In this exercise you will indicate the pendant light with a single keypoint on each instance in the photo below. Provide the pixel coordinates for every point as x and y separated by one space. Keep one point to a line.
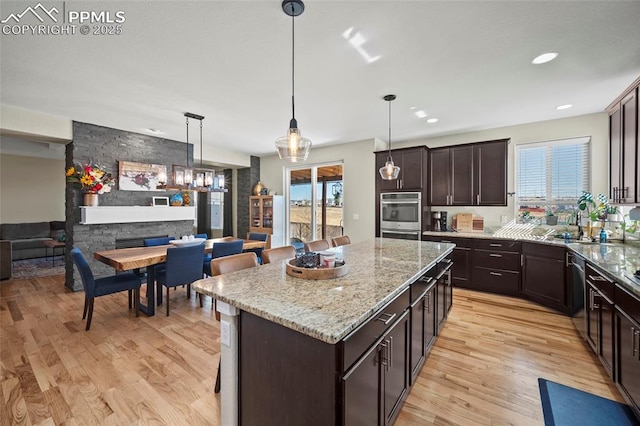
389 171
293 147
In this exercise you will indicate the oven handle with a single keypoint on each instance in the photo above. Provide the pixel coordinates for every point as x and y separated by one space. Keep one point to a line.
417 202
385 231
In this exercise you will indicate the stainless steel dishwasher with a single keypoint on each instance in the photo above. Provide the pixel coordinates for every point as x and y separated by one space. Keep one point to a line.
578 295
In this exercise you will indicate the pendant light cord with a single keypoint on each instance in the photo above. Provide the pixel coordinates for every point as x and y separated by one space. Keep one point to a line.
390 158
187 141
293 61
200 143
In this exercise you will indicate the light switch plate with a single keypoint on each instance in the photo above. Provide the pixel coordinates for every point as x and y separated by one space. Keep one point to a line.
356 216
225 333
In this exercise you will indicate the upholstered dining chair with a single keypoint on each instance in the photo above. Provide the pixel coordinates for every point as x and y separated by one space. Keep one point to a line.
207 256
342 240
317 245
103 286
225 265
221 249
183 266
278 254
257 236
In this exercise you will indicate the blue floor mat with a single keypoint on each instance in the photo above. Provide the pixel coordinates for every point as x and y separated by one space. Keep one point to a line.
566 406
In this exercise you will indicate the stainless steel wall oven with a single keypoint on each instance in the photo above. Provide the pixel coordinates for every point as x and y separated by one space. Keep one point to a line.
400 215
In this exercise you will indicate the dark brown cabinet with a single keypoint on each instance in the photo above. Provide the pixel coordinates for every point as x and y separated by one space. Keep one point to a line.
628 347
413 169
422 323
469 175
496 266
600 316
376 386
624 153
461 257
544 276
444 293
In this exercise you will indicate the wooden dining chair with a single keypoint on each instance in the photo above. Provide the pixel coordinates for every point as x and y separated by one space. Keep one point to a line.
103 286
317 245
225 265
183 266
278 254
342 240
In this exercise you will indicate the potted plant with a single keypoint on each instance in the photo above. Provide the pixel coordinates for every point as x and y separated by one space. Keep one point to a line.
613 215
551 218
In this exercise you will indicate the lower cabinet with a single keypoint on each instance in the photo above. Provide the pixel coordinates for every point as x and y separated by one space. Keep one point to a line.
496 266
444 293
600 316
627 316
422 324
544 280
461 257
376 386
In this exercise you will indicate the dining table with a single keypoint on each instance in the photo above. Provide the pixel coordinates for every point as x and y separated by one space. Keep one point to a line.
134 258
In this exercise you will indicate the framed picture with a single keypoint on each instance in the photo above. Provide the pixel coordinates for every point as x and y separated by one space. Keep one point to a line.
140 177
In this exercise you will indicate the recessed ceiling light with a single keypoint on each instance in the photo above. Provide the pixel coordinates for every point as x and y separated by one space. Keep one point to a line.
420 114
154 131
565 106
544 58
432 120
412 107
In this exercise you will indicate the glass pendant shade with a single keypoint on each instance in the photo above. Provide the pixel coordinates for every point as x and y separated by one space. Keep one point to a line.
293 147
389 171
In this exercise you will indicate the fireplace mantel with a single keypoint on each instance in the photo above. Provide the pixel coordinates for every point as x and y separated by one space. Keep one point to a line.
133 214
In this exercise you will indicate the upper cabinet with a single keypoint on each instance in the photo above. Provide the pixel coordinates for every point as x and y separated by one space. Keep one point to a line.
624 152
413 164
469 175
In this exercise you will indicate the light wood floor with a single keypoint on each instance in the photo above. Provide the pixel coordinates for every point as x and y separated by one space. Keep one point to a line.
126 370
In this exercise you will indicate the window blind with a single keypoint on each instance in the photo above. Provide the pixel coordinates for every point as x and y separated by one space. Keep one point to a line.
554 172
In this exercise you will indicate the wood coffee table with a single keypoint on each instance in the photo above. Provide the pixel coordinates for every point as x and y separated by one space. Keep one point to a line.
54 244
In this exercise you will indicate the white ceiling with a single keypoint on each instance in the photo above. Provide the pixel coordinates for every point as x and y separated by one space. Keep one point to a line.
468 63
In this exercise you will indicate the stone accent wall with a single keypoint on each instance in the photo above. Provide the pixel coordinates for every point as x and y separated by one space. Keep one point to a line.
248 177
108 146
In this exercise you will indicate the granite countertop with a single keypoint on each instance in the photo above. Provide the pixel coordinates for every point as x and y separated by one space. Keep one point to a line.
379 269
617 260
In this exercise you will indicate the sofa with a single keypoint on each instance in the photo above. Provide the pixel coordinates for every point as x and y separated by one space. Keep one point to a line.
27 239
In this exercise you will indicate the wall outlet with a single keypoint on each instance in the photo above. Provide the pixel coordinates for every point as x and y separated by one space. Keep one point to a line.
503 218
225 333
356 216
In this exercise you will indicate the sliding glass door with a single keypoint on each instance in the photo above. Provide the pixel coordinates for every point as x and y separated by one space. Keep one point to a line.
314 199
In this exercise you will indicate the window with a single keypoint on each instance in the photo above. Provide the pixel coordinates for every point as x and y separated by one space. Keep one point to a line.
550 177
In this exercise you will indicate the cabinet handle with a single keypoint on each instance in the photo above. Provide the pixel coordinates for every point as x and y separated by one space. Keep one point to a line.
522 260
596 278
495 245
427 280
445 260
567 257
497 274
495 255
389 318
478 199
384 355
427 306
401 184
445 241
390 351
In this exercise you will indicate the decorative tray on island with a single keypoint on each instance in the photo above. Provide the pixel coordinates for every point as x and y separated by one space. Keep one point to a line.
315 273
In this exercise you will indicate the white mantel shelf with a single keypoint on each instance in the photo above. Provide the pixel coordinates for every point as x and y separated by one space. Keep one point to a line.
132 214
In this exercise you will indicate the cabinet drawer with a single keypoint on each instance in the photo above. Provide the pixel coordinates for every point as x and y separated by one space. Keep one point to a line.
364 336
599 281
421 285
496 280
498 245
494 259
628 303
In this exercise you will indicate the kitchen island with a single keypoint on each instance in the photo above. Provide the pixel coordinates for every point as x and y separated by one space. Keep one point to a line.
292 348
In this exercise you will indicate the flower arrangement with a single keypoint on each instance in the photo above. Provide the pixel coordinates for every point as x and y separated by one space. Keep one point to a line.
91 177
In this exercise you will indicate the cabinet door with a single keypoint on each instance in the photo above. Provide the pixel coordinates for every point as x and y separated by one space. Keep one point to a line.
418 333
593 320
441 294
629 358
439 177
615 146
461 176
607 313
490 172
543 276
460 269
362 391
411 170
385 185
396 381
629 148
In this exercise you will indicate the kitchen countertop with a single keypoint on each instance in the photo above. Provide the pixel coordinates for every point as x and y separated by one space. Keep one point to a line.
617 260
379 269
